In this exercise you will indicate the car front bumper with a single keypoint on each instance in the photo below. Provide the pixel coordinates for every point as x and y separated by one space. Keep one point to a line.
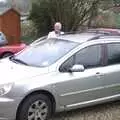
8 108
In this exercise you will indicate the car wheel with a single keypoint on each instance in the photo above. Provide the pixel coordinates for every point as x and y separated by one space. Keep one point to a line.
7 55
35 107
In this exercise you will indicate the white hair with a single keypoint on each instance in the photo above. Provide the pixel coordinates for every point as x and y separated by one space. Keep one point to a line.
58 24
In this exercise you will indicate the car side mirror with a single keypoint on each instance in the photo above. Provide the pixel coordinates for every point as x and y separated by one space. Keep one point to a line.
77 68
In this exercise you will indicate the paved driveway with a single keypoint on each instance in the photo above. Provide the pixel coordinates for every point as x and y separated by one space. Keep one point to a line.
109 111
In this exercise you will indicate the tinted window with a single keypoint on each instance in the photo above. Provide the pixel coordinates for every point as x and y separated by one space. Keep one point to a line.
67 65
89 57
113 53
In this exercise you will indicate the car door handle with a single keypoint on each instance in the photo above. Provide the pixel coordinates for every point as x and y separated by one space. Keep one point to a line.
99 74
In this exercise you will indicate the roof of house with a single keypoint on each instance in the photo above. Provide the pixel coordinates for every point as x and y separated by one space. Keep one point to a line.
3 10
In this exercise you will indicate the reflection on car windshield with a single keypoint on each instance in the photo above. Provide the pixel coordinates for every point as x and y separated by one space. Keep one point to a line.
45 52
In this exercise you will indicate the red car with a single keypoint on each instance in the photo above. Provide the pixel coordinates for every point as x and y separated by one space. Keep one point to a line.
7 50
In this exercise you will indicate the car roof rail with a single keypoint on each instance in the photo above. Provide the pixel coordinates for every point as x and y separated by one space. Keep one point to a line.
96 37
104 37
38 40
96 31
104 32
110 36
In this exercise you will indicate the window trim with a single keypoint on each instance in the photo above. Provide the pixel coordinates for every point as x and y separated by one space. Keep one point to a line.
104 54
102 46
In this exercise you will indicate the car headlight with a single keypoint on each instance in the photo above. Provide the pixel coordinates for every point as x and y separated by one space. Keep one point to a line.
4 89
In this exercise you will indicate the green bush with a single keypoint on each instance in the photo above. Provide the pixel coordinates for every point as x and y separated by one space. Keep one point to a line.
28 32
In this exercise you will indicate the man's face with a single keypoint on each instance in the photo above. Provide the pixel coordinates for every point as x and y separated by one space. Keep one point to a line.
57 28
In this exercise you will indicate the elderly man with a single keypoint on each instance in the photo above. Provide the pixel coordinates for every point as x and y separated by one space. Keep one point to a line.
57 31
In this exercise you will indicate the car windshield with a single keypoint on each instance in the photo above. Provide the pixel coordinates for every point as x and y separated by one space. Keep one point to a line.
45 53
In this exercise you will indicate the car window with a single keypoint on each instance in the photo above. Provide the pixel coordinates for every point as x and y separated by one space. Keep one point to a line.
45 53
89 57
67 65
3 40
113 53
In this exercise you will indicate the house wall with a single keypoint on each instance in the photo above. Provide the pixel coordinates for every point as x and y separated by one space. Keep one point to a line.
11 26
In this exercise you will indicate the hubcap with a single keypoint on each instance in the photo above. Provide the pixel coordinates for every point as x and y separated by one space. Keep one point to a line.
38 111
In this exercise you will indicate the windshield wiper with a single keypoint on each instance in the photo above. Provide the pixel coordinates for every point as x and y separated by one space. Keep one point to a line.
17 60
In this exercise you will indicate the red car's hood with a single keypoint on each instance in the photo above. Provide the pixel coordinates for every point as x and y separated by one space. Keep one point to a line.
11 48
15 45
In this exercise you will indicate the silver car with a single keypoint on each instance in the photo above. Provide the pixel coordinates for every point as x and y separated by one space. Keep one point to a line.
60 74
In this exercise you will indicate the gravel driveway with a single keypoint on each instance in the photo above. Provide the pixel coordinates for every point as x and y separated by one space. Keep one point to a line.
108 111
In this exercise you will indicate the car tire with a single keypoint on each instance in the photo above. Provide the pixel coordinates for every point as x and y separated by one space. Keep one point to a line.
35 107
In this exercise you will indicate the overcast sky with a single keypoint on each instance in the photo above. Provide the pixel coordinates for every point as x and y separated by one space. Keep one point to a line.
22 5
3 0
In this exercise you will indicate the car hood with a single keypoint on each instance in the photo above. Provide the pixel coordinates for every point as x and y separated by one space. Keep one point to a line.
11 72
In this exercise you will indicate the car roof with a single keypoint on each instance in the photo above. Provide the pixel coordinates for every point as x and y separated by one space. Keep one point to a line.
81 37
90 36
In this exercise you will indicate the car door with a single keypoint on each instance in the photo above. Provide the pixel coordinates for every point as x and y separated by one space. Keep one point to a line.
79 88
112 70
